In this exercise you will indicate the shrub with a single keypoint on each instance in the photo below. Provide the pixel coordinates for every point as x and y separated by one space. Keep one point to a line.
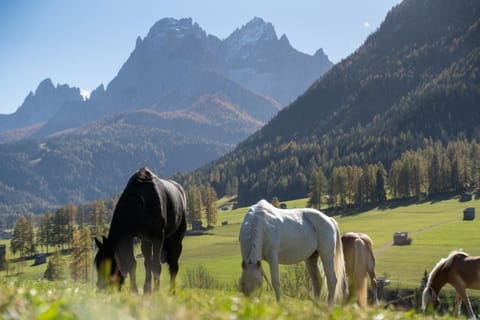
295 281
199 277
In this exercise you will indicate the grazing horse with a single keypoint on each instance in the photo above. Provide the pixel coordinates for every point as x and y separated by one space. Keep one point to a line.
153 210
360 262
459 270
288 236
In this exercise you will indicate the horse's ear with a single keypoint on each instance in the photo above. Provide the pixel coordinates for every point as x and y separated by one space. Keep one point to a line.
105 240
258 264
98 243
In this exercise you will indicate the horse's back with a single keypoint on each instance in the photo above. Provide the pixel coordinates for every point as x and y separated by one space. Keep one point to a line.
467 268
295 234
360 244
151 205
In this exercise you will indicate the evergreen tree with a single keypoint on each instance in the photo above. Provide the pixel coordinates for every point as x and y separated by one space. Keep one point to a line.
81 254
380 193
190 214
55 267
317 187
211 207
21 241
198 205
30 234
99 218
71 212
43 231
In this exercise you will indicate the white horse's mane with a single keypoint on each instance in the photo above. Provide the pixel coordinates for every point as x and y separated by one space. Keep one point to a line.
250 230
442 263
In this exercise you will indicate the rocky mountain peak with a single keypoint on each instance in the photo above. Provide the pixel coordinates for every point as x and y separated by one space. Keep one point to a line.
172 28
256 30
45 86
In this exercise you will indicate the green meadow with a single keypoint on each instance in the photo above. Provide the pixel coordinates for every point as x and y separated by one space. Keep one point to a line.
436 228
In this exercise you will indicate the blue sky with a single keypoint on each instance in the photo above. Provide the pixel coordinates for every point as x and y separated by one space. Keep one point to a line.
85 42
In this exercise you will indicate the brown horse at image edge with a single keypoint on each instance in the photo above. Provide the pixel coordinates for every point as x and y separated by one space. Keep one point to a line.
459 270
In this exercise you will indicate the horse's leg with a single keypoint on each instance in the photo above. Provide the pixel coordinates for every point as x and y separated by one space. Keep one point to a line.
373 280
311 265
133 277
147 256
273 262
173 249
458 303
466 301
129 266
329 270
157 262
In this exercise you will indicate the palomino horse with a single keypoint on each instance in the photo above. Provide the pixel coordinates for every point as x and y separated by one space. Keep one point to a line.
153 210
360 262
289 236
461 271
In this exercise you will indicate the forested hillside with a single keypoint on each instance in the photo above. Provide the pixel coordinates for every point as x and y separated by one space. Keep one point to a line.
182 98
413 83
85 164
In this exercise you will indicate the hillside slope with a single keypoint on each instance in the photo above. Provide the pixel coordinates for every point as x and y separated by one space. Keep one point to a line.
182 98
416 79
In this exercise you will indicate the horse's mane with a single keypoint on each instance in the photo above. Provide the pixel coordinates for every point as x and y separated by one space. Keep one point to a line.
443 263
250 230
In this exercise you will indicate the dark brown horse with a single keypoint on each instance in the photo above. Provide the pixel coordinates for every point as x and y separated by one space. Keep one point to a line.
360 262
459 270
153 210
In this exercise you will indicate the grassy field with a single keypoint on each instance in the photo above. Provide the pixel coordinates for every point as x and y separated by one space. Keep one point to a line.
436 228
66 300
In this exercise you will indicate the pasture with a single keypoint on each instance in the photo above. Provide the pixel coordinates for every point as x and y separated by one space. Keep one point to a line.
436 228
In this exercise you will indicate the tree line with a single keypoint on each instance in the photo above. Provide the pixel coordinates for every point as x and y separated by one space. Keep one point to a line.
426 172
71 228
296 170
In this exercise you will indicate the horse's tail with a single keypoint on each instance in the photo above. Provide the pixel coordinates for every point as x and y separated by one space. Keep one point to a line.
360 270
341 289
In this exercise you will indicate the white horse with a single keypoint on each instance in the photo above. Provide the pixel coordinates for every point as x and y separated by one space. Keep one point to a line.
288 236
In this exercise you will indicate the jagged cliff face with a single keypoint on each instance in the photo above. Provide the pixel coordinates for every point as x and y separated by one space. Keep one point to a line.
40 106
178 62
182 98
174 51
256 58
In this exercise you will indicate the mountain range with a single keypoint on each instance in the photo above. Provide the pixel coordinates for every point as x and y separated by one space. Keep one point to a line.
178 63
182 98
414 81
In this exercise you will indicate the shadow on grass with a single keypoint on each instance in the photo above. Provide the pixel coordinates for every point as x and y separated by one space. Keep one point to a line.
391 204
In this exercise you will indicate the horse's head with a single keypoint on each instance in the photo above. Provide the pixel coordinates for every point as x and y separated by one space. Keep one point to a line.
429 296
108 267
251 277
